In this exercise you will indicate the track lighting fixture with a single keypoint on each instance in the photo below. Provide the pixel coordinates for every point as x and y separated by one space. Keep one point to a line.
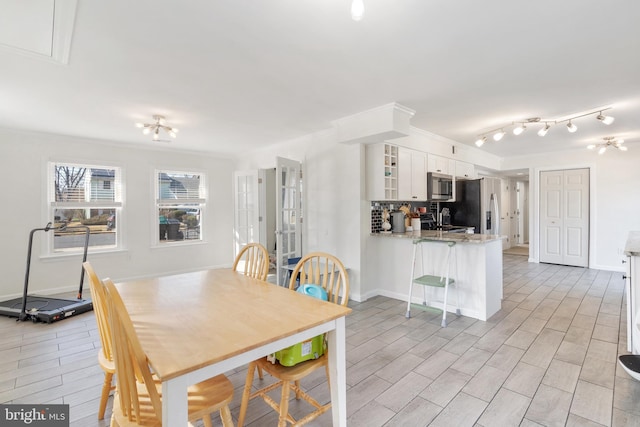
607 120
154 128
519 129
357 10
521 125
543 131
498 135
609 141
480 141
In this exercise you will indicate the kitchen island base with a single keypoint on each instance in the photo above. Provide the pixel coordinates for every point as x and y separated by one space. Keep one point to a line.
477 269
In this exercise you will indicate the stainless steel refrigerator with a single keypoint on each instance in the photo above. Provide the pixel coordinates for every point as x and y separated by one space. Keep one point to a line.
477 205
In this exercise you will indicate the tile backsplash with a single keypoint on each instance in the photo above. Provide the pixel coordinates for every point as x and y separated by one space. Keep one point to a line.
378 206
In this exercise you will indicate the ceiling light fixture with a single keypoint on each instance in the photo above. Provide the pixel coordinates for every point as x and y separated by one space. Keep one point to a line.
607 120
160 123
609 141
543 131
357 10
521 125
519 129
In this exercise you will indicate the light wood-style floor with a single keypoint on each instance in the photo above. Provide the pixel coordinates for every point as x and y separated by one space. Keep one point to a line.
549 357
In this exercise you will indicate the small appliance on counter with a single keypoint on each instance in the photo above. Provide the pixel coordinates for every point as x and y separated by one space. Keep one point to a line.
397 222
445 217
428 221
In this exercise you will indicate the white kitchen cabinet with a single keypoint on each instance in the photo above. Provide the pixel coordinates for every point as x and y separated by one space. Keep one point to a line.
382 171
412 175
439 164
465 170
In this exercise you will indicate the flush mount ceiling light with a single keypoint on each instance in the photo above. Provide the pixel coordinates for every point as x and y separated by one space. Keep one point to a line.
357 10
609 141
521 125
154 128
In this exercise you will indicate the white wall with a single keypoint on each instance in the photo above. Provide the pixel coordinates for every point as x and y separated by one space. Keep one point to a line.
615 205
332 192
23 166
337 214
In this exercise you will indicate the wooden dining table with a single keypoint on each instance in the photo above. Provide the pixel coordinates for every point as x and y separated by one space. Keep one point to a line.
195 326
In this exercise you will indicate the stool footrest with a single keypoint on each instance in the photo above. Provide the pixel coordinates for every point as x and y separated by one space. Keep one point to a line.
426 308
430 280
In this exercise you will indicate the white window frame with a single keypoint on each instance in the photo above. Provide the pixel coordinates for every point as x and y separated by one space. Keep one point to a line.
53 205
178 202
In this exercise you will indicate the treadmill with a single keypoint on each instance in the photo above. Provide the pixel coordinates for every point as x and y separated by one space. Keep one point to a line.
44 308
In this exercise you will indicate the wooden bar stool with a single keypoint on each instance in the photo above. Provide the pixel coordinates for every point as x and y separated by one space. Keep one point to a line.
436 281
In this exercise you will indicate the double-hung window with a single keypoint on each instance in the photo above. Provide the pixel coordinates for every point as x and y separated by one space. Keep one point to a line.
80 196
180 200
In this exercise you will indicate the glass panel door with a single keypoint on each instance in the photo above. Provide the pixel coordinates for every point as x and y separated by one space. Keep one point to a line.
289 215
246 221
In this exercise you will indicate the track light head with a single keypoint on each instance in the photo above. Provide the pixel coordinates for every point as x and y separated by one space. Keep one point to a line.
543 131
498 135
480 141
607 120
602 149
519 129
571 127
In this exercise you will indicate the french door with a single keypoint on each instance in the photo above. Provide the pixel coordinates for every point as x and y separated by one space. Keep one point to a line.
289 214
246 203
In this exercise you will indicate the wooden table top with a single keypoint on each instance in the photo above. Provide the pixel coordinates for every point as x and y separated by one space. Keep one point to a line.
188 321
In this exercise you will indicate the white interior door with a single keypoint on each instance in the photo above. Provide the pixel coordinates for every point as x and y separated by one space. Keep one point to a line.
246 203
564 217
289 214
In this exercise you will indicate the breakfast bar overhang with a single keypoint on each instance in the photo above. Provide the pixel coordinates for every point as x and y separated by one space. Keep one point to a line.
477 267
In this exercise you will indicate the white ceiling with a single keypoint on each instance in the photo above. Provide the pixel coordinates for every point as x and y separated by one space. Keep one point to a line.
234 75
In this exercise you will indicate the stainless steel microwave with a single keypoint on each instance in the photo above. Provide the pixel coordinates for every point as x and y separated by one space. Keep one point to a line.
439 186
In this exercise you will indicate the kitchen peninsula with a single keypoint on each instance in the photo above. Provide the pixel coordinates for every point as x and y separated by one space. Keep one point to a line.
477 268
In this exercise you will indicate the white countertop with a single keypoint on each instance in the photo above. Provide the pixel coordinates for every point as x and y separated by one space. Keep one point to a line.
632 247
444 236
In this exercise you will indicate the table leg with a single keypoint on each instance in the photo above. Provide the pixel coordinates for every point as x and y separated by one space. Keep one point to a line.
338 372
175 409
